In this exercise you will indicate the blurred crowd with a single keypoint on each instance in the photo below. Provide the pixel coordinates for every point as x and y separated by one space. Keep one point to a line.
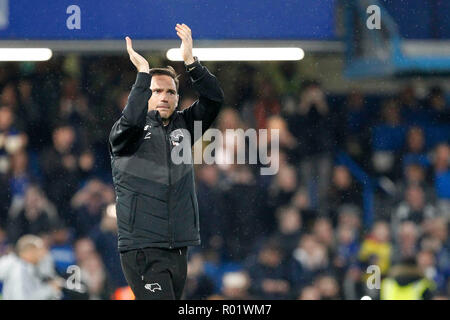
363 180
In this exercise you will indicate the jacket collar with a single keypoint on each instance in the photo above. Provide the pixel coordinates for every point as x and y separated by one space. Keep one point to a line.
155 119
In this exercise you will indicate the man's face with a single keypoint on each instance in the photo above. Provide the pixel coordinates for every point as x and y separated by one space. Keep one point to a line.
34 255
6 118
63 137
164 97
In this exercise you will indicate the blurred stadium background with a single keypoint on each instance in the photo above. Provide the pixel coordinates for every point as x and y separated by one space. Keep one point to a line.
364 123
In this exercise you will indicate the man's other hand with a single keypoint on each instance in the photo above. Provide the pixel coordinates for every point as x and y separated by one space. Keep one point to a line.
185 34
139 61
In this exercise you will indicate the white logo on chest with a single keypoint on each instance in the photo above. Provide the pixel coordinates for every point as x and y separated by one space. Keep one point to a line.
176 137
147 135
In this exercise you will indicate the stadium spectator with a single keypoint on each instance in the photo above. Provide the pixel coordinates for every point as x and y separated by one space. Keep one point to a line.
198 284
20 275
309 293
414 207
268 275
302 201
59 165
235 286
36 216
209 198
442 177
388 139
74 109
414 174
347 249
8 97
343 190
266 105
413 111
105 239
226 156
350 215
406 245
84 248
11 139
324 233
289 231
61 248
406 282
32 116
353 127
4 245
314 123
376 249
115 108
328 287
94 275
20 177
308 260
436 239
427 264
241 231
283 187
88 213
415 148
5 199
287 142
438 106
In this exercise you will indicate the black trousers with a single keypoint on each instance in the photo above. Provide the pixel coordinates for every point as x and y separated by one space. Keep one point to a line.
155 273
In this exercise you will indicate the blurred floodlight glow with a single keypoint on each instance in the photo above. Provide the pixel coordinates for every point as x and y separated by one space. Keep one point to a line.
25 54
241 54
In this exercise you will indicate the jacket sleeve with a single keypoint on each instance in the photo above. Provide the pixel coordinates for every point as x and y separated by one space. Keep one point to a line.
211 98
127 130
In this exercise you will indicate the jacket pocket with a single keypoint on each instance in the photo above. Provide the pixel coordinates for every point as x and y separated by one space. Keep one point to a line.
194 208
132 215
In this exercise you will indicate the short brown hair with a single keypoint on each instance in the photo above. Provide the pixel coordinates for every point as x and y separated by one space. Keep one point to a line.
167 71
27 242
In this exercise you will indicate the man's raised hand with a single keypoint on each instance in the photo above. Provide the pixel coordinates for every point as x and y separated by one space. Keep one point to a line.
185 34
139 61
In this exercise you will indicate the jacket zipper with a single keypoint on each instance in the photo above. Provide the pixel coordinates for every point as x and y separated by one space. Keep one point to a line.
167 143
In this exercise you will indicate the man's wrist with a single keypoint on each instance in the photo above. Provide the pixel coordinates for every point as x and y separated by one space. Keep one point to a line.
193 65
189 61
144 69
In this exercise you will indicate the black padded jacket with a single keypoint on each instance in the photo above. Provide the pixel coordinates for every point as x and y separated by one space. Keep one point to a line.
156 203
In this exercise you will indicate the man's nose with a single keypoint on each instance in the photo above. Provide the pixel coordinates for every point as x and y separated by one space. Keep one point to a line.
165 98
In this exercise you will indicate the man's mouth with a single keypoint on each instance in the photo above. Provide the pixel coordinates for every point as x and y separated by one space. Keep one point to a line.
163 107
